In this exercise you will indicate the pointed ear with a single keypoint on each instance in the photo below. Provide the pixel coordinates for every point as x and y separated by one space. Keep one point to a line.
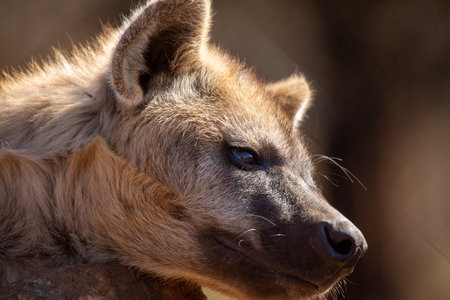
160 37
293 96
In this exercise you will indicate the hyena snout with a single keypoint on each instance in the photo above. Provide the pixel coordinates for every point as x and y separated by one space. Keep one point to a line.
318 251
335 243
340 243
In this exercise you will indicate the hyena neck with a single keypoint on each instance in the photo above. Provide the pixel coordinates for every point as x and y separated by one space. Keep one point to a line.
74 197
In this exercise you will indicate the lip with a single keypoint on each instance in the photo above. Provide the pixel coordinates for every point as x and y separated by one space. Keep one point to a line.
347 269
284 279
340 273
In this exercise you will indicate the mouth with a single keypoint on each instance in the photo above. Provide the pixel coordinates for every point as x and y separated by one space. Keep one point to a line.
285 279
260 276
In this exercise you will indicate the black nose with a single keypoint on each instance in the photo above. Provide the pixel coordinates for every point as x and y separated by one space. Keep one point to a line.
342 243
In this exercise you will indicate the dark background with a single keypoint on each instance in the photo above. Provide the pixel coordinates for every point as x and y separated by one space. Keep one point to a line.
381 74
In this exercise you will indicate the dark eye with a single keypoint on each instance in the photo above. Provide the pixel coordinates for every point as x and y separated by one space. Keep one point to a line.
242 158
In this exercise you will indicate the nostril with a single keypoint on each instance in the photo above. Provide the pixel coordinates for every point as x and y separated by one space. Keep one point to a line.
342 247
343 244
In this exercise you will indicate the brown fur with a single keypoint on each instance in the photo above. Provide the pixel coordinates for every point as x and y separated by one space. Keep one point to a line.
116 153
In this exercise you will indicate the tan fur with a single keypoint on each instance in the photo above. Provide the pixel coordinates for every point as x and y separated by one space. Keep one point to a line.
287 92
116 152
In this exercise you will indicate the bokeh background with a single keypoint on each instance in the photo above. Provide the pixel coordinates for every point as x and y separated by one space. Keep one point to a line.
381 74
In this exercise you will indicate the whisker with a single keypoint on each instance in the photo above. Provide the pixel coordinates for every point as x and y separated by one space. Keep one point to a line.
264 218
337 290
331 181
245 232
278 234
351 177
346 280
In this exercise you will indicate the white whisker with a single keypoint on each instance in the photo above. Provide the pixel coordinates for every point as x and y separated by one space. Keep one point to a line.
350 176
245 232
278 234
264 218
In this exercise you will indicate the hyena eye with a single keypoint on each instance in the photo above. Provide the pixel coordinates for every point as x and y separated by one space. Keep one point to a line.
242 158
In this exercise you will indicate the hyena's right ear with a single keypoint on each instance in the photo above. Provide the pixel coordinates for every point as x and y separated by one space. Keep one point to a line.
161 37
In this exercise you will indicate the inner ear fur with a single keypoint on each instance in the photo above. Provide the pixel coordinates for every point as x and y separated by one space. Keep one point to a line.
293 95
160 37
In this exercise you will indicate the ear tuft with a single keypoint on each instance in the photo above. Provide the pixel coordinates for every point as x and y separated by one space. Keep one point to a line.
293 96
160 37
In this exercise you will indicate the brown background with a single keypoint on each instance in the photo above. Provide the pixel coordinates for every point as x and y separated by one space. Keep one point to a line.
381 74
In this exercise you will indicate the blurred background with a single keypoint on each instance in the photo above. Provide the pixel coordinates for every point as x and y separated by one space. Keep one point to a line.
381 74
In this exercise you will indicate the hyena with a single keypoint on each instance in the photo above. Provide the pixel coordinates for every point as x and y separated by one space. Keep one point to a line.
155 149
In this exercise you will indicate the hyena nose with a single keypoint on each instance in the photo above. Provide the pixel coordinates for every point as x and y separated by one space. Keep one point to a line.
341 243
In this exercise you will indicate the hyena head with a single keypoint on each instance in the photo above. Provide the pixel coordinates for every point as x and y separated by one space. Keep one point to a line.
242 213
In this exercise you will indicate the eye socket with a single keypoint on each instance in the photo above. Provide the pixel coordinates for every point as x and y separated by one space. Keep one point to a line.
243 158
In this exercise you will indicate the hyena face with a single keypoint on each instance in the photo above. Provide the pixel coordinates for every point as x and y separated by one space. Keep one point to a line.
202 176
228 146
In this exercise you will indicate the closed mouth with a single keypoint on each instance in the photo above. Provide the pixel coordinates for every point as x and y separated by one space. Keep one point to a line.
279 276
345 270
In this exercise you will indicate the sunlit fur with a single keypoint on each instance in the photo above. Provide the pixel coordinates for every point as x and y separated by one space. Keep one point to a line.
94 167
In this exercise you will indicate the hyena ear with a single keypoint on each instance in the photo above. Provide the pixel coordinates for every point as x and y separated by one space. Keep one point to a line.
293 96
162 37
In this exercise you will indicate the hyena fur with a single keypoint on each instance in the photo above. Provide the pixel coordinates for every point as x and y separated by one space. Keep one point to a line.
153 148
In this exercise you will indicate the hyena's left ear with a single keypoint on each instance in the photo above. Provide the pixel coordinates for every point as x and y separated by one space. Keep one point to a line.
293 96
161 37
